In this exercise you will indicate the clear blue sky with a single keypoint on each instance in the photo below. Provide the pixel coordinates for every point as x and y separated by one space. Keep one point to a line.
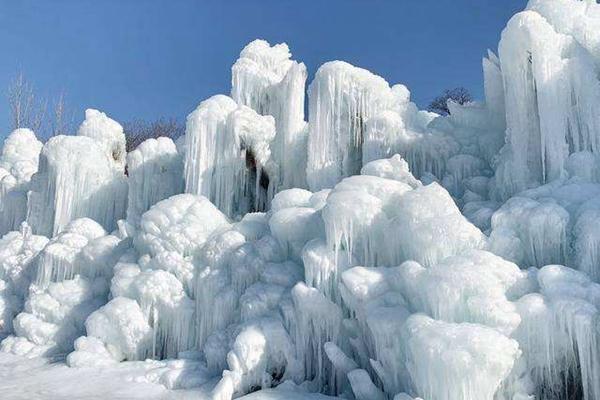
151 58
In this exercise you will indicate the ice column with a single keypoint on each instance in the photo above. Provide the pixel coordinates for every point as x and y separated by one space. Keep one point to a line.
341 99
266 80
18 162
228 156
155 172
76 179
550 84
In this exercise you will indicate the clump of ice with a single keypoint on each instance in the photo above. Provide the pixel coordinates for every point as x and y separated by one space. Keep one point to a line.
108 134
181 223
456 361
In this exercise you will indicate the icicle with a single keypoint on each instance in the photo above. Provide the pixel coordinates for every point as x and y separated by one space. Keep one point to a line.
318 322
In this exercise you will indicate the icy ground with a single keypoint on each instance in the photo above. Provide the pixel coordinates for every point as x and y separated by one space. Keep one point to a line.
38 379
373 252
41 379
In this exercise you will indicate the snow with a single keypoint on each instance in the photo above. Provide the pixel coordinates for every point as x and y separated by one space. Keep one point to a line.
376 252
38 379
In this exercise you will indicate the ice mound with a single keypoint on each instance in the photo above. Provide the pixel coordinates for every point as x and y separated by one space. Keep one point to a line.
395 168
181 223
115 332
107 133
18 162
529 232
474 287
552 223
53 317
160 274
71 279
370 219
456 361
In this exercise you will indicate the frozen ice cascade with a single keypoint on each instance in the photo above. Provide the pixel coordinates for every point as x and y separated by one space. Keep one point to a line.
373 252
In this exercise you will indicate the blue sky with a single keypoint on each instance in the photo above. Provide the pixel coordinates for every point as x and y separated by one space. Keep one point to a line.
151 58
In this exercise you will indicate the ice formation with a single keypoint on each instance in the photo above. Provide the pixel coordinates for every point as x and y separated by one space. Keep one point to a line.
266 80
375 252
19 252
154 172
228 156
18 162
72 279
95 188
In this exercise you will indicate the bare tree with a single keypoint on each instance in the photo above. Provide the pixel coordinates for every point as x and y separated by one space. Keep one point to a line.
139 130
62 123
27 111
459 95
